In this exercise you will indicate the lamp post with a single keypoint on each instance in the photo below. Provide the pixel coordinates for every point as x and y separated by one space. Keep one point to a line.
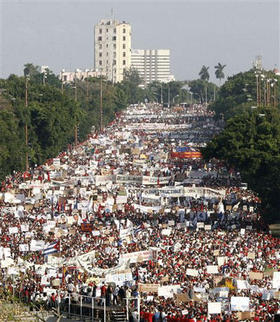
268 91
273 86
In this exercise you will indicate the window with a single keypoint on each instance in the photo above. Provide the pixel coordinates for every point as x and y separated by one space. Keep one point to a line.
114 62
114 54
123 30
100 31
99 38
114 46
123 54
106 45
123 46
115 30
123 62
107 30
114 38
123 38
100 46
100 54
100 62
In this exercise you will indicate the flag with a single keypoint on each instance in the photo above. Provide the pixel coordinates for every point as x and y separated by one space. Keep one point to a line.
137 229
52 248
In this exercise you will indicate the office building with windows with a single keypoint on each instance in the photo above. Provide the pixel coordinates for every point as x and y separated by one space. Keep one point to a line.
152 64
112 48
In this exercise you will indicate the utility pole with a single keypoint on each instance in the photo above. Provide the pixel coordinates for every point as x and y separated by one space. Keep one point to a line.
101 105
268 92
26 128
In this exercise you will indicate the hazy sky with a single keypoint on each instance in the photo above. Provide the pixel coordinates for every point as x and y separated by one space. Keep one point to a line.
60 33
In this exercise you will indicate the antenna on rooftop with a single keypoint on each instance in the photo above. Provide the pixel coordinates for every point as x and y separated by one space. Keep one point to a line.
112 14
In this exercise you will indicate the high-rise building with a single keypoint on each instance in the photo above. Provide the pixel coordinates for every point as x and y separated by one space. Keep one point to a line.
152 64
112 48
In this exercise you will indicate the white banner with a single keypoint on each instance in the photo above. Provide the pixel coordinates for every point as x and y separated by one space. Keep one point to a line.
214 307
168 290
239 303
137 257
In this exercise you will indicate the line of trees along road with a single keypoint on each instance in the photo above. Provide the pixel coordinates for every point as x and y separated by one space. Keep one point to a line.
250 141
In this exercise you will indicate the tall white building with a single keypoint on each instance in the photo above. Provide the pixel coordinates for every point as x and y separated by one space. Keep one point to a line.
112 48
152 64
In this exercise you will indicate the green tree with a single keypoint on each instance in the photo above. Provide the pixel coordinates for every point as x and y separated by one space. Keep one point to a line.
219 72
130 86
204 74
198 86
250 142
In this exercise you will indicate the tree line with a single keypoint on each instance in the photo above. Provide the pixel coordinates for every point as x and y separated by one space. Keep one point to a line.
250 141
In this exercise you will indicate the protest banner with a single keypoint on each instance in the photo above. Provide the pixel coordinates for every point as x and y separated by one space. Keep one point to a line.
244 316
136 257
214 307
240 303
221 260
86 227
147 180
56 162
168 291
148 288
255 276
216 252
23 247
166 231
120 277
251 255
37 245
13 230
212 269
182 297
242 285
276 280
192 272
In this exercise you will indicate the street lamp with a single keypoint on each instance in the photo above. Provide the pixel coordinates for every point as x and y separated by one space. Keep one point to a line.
273 85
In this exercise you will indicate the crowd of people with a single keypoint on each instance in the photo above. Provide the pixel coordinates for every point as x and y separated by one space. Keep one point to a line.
119 217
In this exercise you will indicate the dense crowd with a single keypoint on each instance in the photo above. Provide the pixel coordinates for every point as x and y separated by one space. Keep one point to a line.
118 217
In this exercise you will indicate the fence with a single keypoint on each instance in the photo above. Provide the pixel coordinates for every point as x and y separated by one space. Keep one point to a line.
96 308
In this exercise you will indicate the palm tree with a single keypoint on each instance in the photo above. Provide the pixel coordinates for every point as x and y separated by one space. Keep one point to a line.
204 74
219 71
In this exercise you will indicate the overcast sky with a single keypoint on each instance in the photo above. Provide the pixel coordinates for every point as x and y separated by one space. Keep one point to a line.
60 33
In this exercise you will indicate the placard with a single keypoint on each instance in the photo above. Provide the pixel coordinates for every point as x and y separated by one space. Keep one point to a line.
214 307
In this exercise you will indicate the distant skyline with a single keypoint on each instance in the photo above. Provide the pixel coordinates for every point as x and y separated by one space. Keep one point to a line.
60 34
